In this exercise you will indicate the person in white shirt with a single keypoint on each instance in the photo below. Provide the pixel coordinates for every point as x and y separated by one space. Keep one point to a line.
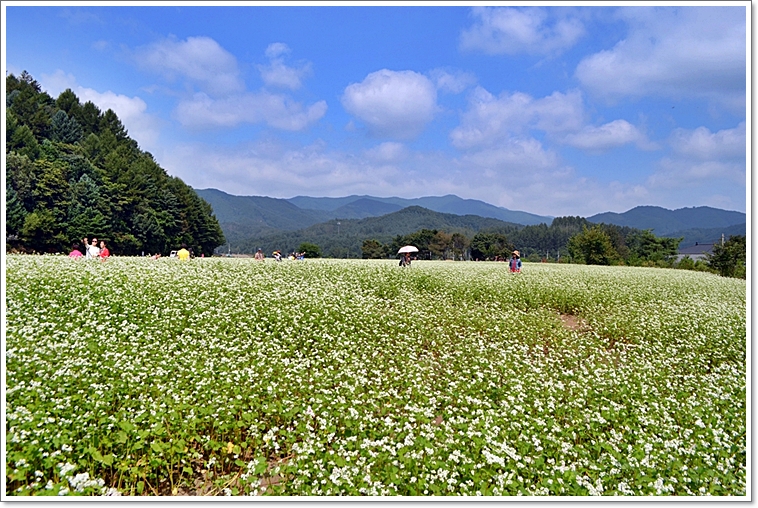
93 251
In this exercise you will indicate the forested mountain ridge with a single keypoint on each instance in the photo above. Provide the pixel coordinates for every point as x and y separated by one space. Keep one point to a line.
244 216
343 238
668 222
72 172
241 217
443 204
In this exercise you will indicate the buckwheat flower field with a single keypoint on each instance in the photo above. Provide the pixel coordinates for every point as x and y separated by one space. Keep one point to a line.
360 378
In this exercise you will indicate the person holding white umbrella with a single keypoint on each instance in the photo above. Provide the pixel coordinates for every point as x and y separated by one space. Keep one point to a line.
406 252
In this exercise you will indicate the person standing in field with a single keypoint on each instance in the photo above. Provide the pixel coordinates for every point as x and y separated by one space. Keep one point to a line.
75 252
515 263
104 252
183 253
93 251
259 256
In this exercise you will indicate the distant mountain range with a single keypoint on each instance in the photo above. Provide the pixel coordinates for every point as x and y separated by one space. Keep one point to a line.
666 222
358 207
344 237
243 217
251 219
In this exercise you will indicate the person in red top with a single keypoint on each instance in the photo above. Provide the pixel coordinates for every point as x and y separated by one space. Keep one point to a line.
104 252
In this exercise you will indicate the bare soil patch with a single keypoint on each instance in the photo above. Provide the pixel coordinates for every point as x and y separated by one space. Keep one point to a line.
573 323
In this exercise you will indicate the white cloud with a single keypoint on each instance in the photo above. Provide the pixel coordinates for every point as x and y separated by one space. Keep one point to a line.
58 82
277 49
489 119
701 157
201 61
677 174
513 155
395 104
220 98
704 162
521 175
272 169
701 143
280 111
132 111
674 52
277 74
508 30
610 135
452 81
387 152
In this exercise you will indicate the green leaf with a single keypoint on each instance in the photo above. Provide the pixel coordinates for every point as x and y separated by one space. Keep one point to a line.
95 454
260 468
128 427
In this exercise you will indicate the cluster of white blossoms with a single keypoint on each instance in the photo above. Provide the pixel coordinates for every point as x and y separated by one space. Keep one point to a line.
353 377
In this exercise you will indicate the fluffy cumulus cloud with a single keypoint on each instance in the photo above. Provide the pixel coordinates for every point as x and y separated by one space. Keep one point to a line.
674 52
703 144
219 98
132 111
490 119
395 104
199 61
277 73
509 30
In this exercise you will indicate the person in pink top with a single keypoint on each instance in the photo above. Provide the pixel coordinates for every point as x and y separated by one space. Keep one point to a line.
75 252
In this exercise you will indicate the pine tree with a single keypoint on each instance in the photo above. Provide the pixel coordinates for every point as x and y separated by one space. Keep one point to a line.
65 129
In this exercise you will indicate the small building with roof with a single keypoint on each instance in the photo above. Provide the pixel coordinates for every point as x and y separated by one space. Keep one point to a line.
695 252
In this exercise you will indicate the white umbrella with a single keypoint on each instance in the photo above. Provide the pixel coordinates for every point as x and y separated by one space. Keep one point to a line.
407 248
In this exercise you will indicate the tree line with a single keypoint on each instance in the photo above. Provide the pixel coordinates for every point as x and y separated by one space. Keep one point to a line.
72 171
571 240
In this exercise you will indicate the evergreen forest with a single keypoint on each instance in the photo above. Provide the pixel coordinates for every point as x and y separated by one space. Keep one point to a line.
72 171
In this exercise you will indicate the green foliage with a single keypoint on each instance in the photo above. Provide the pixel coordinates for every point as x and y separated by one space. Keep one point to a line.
15 213
644 245
72 171
311 250
490 245
373 249
65 129
346 239
729 259
593 247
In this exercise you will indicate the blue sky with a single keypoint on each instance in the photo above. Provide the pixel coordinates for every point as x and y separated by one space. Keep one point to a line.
550 110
